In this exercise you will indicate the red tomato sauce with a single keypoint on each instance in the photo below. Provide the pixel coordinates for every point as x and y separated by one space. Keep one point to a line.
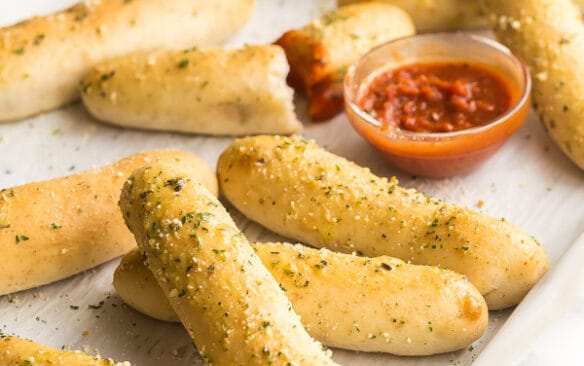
437 97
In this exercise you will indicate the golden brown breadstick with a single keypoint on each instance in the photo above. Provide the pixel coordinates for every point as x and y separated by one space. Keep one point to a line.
303 192
192 90
42 59
227 300
23 352
437 15
365 304
444 15
53 229
549 36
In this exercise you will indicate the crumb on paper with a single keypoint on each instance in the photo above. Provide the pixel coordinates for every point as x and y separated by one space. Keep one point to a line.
480 203
13 299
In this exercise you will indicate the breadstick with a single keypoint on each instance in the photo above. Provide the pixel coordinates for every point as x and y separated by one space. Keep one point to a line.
437 15
303 192
443 15
54 229
227 300
23 352
42 59
320 52
213 91
549 37
365 304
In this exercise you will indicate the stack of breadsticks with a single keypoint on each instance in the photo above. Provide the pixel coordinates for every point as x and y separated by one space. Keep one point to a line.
194 265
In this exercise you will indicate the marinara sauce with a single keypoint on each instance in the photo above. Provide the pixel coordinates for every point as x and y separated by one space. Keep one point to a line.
437 97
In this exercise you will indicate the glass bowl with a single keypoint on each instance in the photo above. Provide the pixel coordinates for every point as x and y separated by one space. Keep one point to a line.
440 154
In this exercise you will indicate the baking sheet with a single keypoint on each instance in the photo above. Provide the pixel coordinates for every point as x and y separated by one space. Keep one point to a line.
529 182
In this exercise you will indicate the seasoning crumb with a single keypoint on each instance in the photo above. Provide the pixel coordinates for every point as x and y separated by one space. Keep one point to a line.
480 203
183 63
96 306
386 266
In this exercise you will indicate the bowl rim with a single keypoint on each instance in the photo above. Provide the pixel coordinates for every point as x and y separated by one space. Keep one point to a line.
396 132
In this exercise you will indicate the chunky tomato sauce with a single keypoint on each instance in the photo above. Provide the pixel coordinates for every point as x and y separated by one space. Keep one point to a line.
437 97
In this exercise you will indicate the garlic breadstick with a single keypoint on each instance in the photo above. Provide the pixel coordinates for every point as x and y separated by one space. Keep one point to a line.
549 36
23 352
43 58
437 15
365 304
227 300
303 192
443 15
53 229
212 91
